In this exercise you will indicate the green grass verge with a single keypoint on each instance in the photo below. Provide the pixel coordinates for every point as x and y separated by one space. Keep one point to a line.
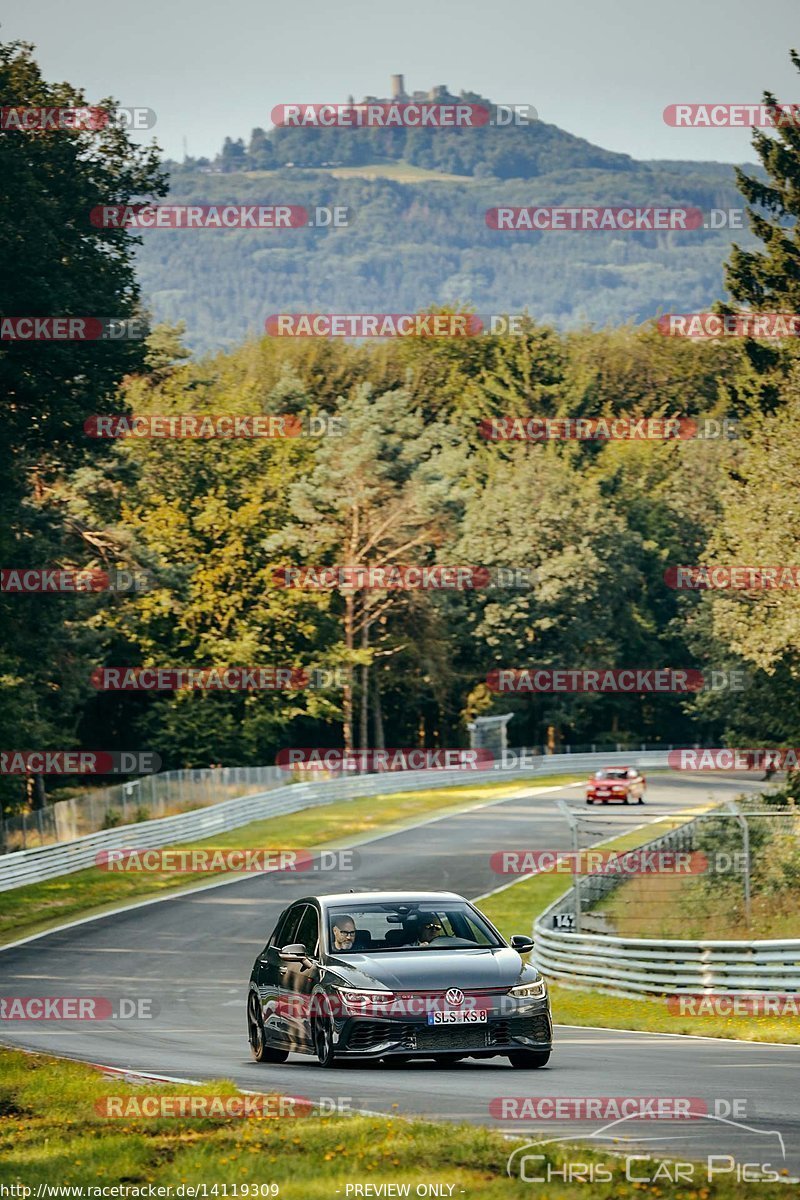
52 1133
514 910
670 906
39 906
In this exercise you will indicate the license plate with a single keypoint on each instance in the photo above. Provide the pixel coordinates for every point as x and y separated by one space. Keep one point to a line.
602 791
459 1016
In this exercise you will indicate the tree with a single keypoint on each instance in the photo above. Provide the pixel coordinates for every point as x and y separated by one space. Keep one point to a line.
760 526
201 510
768 280
537 512
54 262
376 497
260 154
233 156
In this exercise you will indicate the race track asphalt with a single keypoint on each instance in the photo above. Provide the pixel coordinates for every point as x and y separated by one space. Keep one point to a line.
190 957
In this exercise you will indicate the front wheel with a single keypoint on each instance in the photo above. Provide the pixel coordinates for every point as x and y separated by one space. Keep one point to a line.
588 801
322 1032
529 1059
259 1049
641 799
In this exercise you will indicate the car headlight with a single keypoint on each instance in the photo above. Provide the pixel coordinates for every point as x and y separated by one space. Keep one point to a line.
363 1001
529 991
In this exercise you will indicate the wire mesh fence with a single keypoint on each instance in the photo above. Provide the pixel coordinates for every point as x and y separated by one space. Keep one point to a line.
142 799
729 872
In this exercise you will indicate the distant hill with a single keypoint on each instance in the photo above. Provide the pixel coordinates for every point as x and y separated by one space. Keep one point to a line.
418 234
522 149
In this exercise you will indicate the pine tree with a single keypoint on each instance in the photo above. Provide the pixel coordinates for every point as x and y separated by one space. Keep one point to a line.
768 280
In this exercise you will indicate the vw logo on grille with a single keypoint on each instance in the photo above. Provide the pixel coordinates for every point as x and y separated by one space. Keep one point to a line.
454 996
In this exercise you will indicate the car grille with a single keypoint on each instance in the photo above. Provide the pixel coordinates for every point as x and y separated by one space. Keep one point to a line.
536 1028
451 1037
366 1034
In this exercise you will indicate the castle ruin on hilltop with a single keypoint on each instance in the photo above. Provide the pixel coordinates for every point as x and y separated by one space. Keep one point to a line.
399 94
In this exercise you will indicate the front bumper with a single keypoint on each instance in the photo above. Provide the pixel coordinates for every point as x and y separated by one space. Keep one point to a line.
530 1028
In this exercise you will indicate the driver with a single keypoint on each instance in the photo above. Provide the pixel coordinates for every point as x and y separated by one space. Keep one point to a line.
344 933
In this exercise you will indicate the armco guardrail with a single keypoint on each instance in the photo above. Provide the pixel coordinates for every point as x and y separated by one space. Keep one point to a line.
162 795
660 966
136 800
47 862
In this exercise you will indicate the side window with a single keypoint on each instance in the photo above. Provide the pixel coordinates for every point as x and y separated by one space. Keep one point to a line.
284 933
308 930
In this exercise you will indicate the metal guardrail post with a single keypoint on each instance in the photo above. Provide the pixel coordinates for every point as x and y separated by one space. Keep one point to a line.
572 821
741 819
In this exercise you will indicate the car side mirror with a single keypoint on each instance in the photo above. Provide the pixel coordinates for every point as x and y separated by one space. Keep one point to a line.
522 943
296 952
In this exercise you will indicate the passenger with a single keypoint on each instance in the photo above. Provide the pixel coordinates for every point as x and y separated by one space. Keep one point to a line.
429 930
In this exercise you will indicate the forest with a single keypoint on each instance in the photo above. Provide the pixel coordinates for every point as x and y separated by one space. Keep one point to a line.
389 467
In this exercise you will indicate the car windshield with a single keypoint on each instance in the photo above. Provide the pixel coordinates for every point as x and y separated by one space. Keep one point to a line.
613 773
407 925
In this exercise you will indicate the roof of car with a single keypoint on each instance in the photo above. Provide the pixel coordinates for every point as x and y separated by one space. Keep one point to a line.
328 899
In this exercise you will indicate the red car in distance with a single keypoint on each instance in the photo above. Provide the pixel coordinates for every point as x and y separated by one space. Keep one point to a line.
621 784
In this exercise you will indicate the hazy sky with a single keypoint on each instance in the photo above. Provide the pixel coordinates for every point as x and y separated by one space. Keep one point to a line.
602 71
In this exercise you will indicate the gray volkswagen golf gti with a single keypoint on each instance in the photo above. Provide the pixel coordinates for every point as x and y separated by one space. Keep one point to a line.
395 975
